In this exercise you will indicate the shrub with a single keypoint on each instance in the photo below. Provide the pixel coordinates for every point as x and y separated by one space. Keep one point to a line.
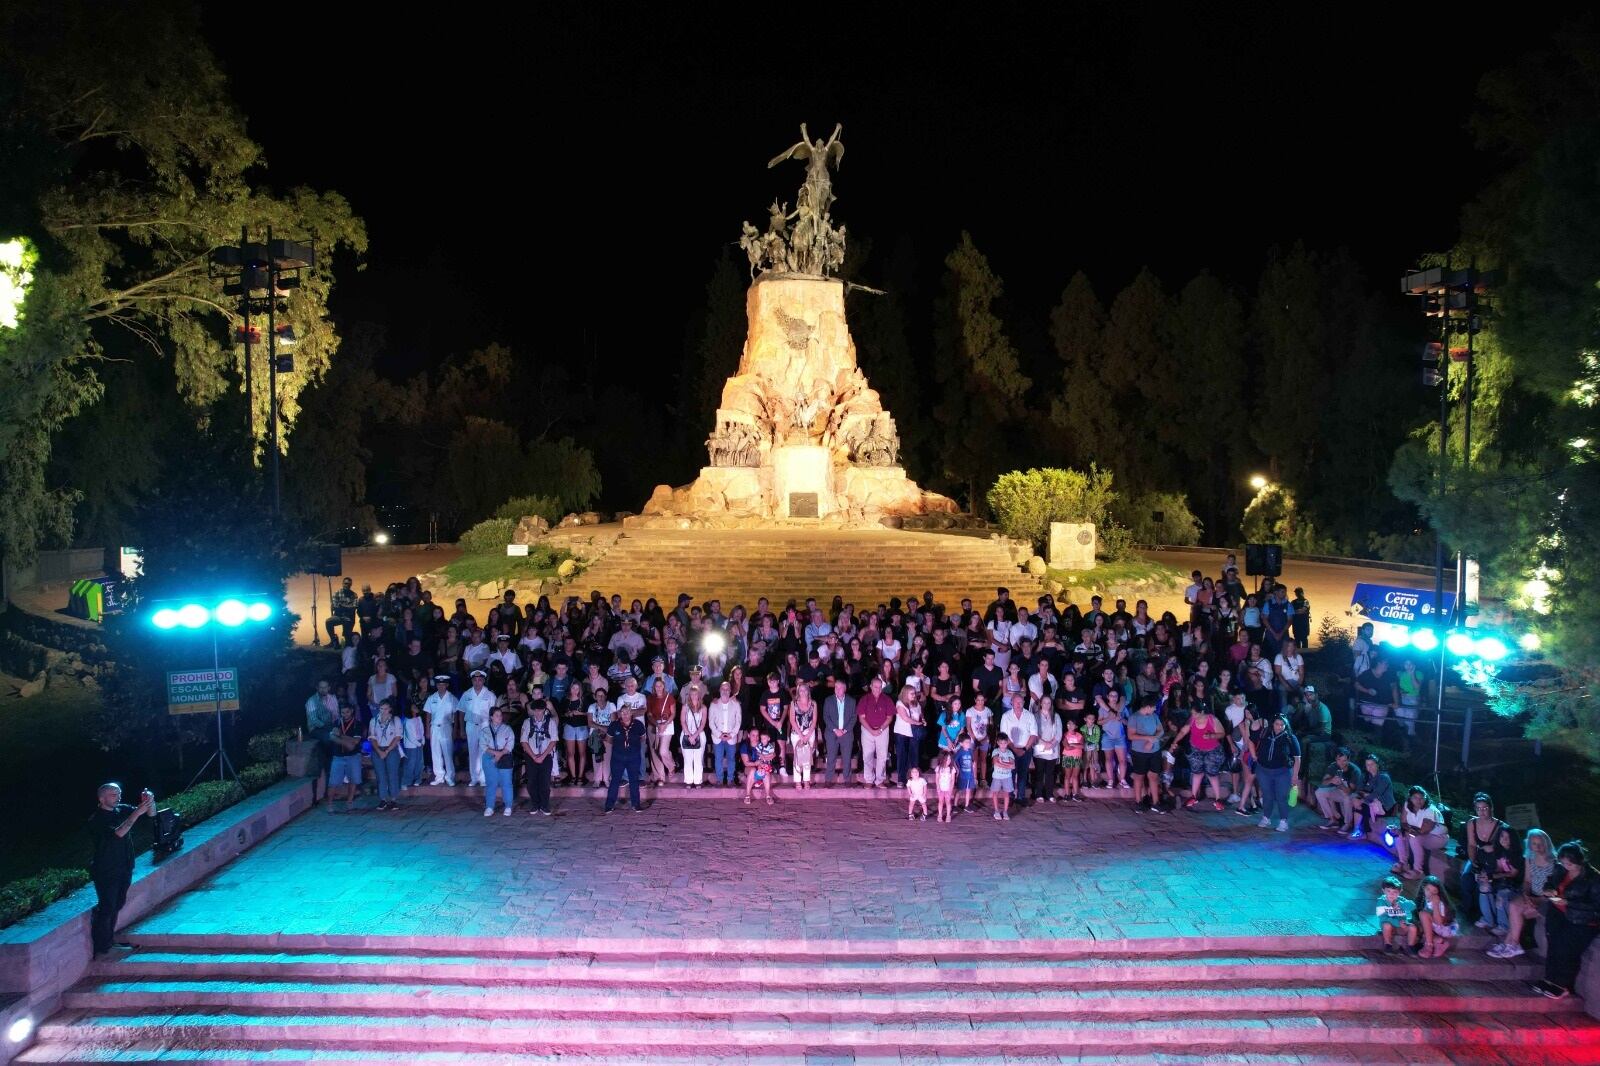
258 776
268 747
1025 502
546 507
488 537
24 896
1177 524
1274 517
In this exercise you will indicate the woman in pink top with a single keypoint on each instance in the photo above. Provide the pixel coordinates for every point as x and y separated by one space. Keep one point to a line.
1206 735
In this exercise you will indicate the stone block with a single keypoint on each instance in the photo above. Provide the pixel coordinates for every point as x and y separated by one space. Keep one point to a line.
1072 545
489 590
567 570
1036 566
529 529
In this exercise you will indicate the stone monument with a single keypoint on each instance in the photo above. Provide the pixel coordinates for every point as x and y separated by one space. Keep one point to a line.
799 434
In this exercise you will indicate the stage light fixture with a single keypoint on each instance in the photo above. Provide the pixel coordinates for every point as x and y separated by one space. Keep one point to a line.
165 618
231 613
259 612
193 616
1459 644
1491 649
1425 640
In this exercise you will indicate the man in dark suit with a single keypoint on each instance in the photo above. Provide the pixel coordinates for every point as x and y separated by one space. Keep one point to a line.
839 728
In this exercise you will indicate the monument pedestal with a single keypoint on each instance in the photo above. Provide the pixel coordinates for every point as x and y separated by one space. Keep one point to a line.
797 380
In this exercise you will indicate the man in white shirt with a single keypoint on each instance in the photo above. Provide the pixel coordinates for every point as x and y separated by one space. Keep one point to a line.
631 697
475 656
505 656
476 703
627 637
1023 629
1022 727
442 709
725 719
816 629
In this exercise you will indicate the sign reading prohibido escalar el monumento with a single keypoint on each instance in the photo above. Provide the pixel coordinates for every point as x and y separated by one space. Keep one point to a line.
203 691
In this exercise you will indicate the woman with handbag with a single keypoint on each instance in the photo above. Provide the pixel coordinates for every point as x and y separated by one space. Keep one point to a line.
692 739
661 713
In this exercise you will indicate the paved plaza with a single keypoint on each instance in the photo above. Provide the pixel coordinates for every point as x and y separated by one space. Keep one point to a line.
845 870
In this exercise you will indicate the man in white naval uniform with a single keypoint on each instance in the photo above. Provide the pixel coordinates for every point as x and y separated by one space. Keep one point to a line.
442 709
476 703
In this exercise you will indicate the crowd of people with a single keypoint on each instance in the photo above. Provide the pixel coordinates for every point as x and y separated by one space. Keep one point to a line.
1043 699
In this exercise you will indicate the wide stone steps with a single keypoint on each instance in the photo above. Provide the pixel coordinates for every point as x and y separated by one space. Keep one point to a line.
862 567
217 998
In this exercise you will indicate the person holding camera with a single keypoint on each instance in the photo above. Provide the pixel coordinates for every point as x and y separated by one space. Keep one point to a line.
112 865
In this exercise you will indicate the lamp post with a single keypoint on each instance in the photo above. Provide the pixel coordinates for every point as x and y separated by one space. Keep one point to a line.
262 275
231 612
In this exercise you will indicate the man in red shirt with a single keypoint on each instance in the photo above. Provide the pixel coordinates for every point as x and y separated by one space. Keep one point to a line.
876 712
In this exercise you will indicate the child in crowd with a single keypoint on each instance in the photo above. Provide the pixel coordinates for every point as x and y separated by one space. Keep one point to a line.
411 747
944 777
979 717
916 795
966 767
1395 914
1091 747
1072 742
1436 917
1005 763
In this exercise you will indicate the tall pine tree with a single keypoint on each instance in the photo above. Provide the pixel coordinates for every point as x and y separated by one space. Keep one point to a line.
1083 413
981 385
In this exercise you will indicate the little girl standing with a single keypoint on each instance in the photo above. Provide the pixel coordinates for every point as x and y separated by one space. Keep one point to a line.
1436 918
944 778
1091 747
1005 762
411 748
916 795
1072 742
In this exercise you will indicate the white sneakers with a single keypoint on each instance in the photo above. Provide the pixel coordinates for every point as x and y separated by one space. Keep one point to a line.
1265 823
1283 826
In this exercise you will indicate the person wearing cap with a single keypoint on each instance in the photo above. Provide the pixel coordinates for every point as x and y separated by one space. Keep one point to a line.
368 609
1315 726
442 710
476 703
385 733
539 745
659 672
626 638
505 655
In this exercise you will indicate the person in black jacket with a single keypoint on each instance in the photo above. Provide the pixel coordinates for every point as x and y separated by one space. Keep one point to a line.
112 865
1572 918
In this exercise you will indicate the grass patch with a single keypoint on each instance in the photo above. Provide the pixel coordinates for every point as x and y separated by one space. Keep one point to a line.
1132 572
540 563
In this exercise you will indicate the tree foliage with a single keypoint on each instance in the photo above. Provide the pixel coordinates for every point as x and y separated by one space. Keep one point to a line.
127 175
1025 502
982 386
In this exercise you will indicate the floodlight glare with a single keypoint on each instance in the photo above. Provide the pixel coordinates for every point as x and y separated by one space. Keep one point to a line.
713 643
380 537
1397 638
193 616
231 613
1491 649
1425 640
259 612
1458 644
1530 642
1258 482
19 1031
165 618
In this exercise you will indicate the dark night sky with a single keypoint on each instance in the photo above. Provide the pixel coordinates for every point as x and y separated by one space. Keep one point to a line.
513 173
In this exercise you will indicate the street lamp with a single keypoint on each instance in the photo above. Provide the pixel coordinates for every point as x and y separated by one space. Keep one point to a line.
1258 481
231 612
271 269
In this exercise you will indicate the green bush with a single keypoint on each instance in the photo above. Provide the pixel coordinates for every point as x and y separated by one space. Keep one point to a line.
546 507
1274 517
268 747
24 896
1025 502
1177 525
258 776
488 537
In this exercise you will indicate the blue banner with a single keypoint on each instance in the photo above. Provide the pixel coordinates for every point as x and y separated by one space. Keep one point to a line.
1400 606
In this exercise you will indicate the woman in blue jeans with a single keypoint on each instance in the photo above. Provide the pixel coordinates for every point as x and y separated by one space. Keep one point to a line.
1277 765
499 740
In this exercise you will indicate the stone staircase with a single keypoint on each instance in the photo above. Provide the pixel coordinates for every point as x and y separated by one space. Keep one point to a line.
215 998
866 567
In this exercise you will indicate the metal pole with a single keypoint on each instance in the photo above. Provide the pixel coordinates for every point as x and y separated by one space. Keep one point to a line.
216 681
272 371
244 305
1466 465
1438 537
